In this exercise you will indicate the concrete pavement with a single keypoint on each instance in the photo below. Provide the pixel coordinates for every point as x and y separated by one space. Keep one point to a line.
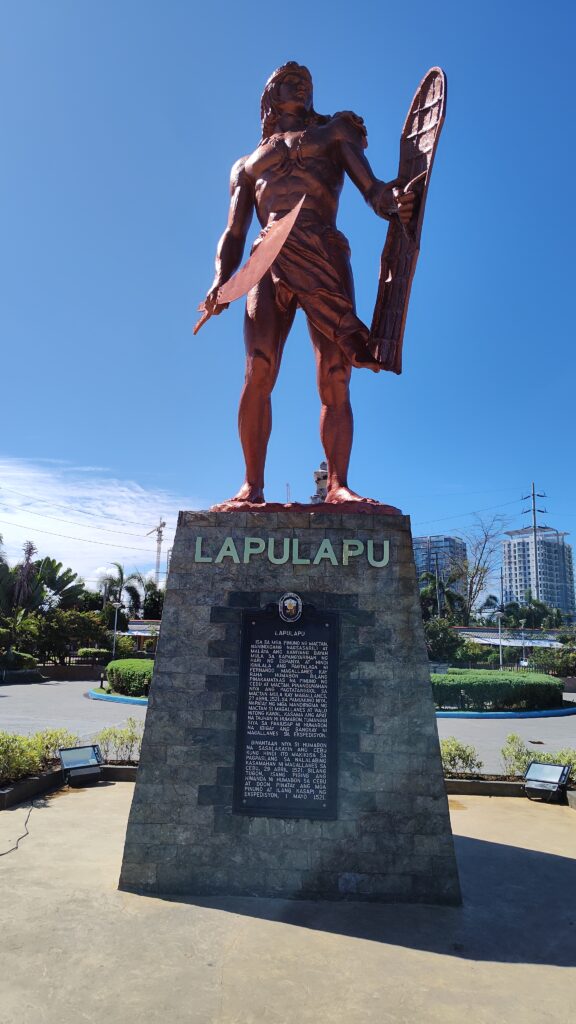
73 948
28 707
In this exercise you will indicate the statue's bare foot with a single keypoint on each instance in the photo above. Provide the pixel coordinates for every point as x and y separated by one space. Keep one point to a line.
338 494
249 495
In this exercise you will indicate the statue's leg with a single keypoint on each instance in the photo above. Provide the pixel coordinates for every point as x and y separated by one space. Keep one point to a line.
333 372
266 327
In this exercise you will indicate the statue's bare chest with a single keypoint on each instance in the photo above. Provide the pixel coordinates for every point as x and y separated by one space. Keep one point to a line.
288 151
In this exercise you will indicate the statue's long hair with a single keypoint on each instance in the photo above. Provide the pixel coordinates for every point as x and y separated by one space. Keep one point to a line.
269 114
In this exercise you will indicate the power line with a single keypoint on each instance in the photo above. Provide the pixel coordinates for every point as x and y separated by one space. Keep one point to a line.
81 540
70 508
475 512
57 519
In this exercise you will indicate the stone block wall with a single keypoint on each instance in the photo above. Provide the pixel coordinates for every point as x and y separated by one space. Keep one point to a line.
392 839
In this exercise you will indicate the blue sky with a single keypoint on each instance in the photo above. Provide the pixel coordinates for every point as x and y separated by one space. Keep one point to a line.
122 122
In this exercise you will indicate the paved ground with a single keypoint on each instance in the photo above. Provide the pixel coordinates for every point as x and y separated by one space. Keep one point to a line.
75 949
489 735
28 707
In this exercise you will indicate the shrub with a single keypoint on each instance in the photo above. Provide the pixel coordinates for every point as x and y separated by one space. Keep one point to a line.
557 662
516 756
459 758
125 647
49 742
121 744
484 655
19 756
15 660
94 654
483 690
130 677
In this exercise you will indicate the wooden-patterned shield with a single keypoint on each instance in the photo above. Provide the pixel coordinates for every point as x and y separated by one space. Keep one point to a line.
418 143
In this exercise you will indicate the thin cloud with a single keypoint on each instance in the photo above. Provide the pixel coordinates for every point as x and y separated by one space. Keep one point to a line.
83 517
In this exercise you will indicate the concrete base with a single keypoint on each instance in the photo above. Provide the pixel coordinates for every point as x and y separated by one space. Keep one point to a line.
75 949
391 840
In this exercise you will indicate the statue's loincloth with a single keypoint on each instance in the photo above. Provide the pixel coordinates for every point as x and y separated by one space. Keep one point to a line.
313 271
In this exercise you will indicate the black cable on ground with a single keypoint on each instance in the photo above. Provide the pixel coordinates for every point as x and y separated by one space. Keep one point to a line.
24 834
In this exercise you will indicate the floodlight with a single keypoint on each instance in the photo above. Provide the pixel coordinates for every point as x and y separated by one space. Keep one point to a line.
546 781
81 764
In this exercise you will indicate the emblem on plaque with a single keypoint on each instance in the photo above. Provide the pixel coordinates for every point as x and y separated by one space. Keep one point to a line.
290 607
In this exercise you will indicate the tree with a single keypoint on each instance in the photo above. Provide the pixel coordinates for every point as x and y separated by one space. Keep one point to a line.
89 601
533 613
442 642
440 591
19 629
474 570
28 590
62 587
117 584
63 630
151 596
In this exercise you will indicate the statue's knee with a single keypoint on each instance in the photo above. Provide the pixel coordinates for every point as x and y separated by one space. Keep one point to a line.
260 370
333 385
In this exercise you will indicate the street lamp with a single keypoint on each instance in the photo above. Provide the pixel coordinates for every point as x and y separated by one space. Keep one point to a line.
500 616
116 605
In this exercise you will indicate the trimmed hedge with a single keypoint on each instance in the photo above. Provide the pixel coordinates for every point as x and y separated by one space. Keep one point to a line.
485 690
130 677
99 654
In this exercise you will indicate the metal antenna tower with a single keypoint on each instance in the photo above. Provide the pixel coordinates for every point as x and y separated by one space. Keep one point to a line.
535 494
159 531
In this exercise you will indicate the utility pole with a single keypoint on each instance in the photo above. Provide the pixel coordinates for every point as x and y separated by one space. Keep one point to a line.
438 602
159 531
533 496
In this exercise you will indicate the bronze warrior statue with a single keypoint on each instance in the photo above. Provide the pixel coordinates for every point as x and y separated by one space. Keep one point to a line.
302 155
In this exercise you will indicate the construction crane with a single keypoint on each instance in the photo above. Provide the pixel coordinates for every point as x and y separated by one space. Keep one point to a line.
159 531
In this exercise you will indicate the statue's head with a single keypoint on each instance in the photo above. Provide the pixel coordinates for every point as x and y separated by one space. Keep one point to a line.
289 88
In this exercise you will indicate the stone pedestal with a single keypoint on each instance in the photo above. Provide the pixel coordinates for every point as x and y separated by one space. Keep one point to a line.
391 837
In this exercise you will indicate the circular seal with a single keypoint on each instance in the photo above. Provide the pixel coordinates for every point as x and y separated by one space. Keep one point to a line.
290 607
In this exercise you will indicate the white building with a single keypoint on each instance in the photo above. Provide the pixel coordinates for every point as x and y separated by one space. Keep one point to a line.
555 567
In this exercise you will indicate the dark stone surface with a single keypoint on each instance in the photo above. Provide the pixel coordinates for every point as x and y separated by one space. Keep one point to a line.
391 840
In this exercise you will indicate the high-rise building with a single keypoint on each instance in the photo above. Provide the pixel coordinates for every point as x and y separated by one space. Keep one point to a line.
555 567
438 550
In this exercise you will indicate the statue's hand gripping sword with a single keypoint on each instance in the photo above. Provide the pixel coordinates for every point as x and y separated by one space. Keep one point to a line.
256 265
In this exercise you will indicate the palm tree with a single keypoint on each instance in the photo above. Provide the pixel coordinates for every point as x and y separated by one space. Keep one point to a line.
151 596
115 585
439 591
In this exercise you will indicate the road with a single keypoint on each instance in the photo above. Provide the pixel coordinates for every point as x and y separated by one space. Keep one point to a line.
27 708
489 735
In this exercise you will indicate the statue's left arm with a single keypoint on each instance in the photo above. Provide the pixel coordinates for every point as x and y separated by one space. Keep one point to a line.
386 199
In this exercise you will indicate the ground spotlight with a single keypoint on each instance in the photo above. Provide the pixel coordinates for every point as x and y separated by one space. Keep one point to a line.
547 782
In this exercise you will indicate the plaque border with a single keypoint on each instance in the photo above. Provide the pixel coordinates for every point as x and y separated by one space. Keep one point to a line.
272 810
